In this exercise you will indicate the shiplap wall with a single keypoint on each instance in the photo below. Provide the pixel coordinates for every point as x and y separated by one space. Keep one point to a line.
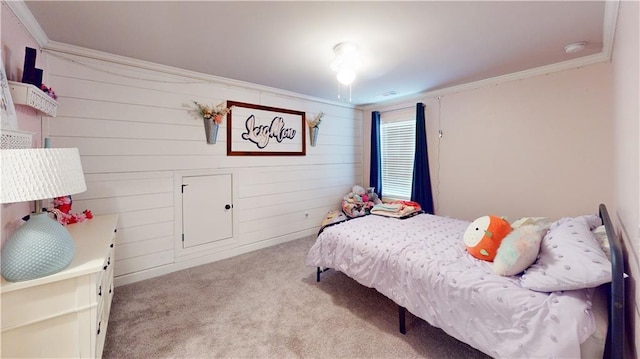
137 136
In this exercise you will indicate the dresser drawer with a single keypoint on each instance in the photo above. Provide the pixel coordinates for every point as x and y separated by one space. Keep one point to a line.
105 295
57 337
39 303
105 284
103 322
104 281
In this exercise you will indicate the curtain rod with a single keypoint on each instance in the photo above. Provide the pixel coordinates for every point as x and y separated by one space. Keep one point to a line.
400 109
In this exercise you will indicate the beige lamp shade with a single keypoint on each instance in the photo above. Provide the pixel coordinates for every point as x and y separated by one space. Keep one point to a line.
40 173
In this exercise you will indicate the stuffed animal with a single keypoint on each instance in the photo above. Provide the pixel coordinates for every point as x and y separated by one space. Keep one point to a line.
359 202
62 209
359 190
483 236
371 197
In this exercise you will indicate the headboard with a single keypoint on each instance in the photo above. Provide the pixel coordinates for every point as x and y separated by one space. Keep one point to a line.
614 347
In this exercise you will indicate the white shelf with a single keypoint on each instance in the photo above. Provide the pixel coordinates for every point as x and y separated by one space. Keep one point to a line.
11 139
29 95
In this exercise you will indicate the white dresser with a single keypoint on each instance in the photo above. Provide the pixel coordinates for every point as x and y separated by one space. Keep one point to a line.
64 314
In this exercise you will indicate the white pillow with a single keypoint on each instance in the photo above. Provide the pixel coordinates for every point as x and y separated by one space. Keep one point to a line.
542 222
600 233
518 250
570 258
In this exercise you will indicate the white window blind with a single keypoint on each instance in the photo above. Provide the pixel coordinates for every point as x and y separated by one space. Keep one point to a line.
397 142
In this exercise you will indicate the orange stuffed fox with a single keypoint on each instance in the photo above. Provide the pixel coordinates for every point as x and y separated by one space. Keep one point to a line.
484 235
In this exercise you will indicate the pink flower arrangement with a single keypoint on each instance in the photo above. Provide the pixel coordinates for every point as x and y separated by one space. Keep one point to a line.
49 91
214 112
62 209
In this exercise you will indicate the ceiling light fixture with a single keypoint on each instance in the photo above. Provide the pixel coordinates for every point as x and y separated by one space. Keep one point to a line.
345 63
575 47
346 76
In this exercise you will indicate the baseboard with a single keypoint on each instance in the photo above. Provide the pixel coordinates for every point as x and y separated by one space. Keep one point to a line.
209 258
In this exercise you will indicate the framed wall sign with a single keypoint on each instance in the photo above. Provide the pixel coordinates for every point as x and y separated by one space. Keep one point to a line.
254 130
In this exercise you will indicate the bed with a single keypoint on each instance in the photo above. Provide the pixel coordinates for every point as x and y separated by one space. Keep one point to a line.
422 265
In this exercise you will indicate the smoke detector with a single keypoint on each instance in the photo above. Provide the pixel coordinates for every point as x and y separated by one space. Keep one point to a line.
575 47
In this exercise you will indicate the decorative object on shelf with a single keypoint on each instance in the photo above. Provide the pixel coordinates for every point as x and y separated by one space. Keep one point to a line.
31 74
314 128
41 246
8 114
29 66
49 91
212 116
29 95
62 211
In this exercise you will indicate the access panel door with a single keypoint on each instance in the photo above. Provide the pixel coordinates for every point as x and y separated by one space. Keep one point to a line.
207 209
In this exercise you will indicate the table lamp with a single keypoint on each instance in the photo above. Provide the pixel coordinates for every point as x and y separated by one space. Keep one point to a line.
41 246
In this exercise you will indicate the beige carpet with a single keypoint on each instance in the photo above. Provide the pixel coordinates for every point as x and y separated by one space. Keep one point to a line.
266 304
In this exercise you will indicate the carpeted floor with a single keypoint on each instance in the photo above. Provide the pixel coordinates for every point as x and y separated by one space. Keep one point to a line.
266 304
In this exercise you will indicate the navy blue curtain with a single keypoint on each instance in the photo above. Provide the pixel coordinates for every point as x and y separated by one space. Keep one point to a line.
421 185
375 174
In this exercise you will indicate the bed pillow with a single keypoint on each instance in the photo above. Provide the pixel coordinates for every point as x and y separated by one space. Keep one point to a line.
601 236
570 258
518 250
542 222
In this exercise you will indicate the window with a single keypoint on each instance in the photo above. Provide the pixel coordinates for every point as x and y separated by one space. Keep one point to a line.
397 142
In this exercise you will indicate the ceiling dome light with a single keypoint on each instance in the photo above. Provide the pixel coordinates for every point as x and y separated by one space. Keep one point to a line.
575 47
346 76
345 63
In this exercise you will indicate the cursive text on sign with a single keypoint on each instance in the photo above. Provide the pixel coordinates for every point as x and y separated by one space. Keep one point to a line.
261 134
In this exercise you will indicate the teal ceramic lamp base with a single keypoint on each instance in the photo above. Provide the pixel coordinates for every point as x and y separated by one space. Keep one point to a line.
39 248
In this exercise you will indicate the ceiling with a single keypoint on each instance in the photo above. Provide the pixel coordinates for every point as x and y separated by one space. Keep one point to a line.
406 47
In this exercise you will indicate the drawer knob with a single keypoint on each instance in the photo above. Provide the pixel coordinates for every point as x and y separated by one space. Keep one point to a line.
111 245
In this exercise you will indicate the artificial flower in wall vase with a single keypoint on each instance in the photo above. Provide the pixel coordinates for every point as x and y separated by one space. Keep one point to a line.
212 117
314 128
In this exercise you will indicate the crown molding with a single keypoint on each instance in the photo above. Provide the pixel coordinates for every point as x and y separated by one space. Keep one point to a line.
609 26
608 33
24 15
55 47
22 12
520 75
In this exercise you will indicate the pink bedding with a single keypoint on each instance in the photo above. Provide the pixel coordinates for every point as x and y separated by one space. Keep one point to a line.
421 264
